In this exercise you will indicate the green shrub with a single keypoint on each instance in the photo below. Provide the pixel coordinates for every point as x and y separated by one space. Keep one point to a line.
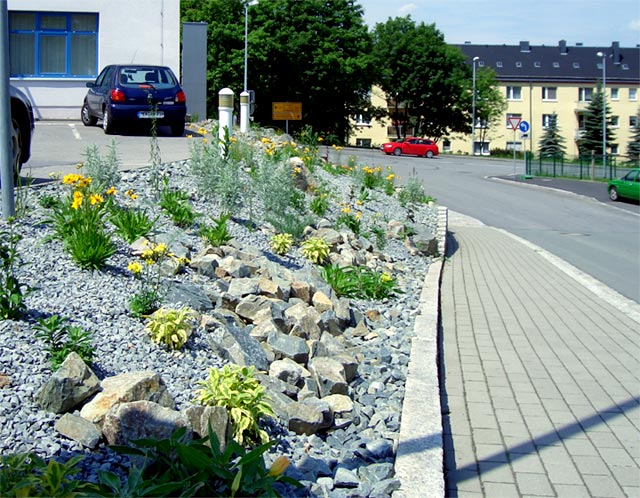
319 204
171 327
103 170
218 234
281 243
175 204
359 282
237 389
61 339
130 223
315 250
289 222
12 292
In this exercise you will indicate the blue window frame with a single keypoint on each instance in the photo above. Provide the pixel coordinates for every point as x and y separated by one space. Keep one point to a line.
53 44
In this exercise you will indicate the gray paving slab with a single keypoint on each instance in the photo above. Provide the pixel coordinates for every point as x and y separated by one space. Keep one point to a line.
545 372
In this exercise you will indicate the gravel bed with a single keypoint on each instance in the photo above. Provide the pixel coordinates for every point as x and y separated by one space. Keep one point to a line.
355 460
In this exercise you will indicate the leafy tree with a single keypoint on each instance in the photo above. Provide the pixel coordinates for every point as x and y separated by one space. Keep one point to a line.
310 51
552 142
592 138
490 102
418 69
633 148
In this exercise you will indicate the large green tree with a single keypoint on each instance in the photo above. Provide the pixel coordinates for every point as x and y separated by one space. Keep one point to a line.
591 140
418 69
633 149
309 51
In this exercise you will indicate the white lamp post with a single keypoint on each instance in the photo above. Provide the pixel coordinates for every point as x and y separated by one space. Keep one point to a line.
473 109
247 3
604 108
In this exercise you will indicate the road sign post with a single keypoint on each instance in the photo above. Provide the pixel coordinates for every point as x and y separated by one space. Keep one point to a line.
514 122
285 111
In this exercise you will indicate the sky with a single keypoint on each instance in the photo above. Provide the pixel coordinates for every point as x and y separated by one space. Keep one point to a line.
594 23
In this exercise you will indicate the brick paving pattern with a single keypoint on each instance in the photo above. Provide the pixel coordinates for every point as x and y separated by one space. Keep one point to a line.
541 376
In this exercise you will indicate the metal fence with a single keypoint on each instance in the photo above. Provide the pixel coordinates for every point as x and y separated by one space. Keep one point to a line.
585 168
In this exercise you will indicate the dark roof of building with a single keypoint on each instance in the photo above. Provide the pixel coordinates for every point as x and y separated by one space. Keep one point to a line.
560 64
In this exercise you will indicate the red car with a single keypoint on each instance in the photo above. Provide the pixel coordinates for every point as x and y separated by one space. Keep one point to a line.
412 145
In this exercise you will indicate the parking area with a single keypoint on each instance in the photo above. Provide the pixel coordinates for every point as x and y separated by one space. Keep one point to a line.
58 146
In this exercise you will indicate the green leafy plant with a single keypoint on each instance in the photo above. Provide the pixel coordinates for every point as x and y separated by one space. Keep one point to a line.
196 468
12 292
281 243
380 236
171 327
319 204
359 282
237 389
175 204
412 192
147 299
131 223
316 250
349 220
61 339
79 222
289 222
26 474
104 170
143 303
218 234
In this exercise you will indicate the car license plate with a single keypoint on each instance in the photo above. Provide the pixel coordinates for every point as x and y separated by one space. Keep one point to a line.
151 114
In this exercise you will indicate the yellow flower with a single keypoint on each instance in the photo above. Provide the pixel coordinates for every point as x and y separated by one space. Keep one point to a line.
320 139
346 209
189 136
390 177
96 199
79 166
359 202
204 140
77 200
71 178
84 181
385 277
358 215
111 191
279 466
160 248
297 170
135 268
129 193
147 254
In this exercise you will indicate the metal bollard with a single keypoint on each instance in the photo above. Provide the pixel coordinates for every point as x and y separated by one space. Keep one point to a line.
244 112
225 117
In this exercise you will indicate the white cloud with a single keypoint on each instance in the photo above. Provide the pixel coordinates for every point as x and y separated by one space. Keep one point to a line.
635 25
407 8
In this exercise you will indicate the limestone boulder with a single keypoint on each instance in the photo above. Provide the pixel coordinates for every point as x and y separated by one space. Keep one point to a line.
309 416
80 430
202 417
330 376
133 386
69 386
127 422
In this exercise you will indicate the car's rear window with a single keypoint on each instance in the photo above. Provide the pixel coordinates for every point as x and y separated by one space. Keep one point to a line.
134 76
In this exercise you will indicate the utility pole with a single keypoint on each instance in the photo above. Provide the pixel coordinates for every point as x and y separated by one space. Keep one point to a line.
6 155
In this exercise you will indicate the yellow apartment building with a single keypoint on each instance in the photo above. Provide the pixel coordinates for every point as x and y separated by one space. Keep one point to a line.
538 81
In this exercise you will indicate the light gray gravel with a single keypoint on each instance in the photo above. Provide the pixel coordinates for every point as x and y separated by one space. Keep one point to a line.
351 461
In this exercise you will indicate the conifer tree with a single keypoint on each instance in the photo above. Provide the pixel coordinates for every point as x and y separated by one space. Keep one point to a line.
552 142
633 149
592 137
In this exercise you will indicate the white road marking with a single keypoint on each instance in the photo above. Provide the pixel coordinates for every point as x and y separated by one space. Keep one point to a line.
76 133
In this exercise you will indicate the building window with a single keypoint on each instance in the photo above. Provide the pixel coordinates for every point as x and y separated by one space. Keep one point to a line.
576 65
518 64
499 64
53 44
614 148
537 64
514 93
363 142
581 121
546 120
446 145
512 115
585 94
363 120
633 94
614 94
549 93
615 121
517 146
633 121
556 65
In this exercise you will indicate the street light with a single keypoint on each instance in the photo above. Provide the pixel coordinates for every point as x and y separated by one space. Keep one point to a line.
604 108
473 109
247 4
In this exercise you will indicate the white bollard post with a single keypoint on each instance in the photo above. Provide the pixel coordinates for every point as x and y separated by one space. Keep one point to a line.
225 117
244 112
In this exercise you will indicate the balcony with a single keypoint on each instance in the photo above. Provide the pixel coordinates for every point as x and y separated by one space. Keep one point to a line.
578 134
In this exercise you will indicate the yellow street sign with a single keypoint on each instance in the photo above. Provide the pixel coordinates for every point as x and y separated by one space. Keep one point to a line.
286 111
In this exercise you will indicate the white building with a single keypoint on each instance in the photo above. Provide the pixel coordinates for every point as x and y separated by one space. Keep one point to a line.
57 46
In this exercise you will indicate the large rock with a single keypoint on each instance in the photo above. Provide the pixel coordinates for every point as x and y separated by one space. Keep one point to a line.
189 295
126 422
124 388
287 346
330 376
288 371
74 427
425 241
254 308
309 416
205 264
201 417
304 321
321 302
68 387
235 344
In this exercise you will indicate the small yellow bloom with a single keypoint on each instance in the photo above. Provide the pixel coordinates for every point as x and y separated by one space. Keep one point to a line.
84 181
296 170
71 178
390 177
358 215
359 202
111 191
147 254
279 466
135 268
160 248
95 199
129 193
385 277
79 166
204 140
346 209
77 200
189 136
320 139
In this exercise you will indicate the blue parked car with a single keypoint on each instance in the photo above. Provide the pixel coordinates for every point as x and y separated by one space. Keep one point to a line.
129 94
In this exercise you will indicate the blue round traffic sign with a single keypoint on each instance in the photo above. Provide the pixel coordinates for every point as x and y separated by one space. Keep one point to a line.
524 126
